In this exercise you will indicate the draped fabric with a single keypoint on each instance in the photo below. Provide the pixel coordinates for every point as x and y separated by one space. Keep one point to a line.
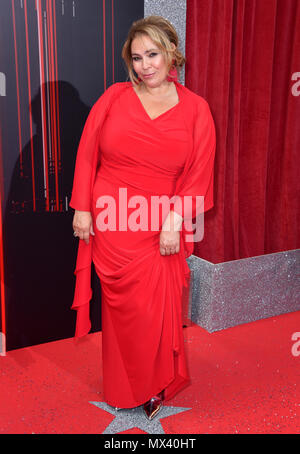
122 148
243 58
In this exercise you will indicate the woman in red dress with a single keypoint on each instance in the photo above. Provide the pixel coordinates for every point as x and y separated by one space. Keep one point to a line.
146 139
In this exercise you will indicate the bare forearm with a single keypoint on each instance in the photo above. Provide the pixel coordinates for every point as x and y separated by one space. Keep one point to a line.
172 222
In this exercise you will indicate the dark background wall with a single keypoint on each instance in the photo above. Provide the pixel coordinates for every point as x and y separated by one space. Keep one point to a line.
57 58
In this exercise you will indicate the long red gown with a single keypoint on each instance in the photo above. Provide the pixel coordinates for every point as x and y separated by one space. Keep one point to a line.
139 157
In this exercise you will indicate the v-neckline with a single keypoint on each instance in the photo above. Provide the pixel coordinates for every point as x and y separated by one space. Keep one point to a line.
146 113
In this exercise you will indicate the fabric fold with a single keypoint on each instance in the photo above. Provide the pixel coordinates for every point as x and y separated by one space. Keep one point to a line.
83 290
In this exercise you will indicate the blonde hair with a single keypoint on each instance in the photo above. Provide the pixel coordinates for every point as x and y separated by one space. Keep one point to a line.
162 33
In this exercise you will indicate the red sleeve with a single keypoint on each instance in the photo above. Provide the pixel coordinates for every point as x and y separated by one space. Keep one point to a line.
199 175
88 155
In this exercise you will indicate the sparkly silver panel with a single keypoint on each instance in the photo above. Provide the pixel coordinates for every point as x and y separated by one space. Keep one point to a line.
129 418
175 12
242 291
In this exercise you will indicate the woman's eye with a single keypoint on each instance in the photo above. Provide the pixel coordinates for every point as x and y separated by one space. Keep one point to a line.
138 58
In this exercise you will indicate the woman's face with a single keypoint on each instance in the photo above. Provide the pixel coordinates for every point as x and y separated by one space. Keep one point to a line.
148 59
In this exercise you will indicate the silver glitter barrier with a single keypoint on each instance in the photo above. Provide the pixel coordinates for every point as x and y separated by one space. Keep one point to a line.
175 12
231 293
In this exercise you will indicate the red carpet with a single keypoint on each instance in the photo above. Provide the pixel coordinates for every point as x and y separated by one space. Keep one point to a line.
244 380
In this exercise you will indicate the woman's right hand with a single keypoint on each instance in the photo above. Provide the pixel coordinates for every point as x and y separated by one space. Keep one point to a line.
83 225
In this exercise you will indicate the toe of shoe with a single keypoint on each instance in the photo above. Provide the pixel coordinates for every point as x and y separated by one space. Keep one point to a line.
151 409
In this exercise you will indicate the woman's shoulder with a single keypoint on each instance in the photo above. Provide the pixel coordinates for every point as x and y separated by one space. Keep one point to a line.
110 93
193 98
117 86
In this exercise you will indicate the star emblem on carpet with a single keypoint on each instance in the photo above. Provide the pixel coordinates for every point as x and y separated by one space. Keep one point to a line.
128 418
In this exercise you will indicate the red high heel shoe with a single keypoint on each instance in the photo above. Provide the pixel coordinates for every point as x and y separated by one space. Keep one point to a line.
152 406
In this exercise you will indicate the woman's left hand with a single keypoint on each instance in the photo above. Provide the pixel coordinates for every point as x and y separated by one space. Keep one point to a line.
169 240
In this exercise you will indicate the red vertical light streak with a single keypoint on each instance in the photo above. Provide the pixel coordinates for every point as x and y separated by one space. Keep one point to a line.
56 87
54 104
51 98
2 287
104 44
18 88
49 78
41 51
30 113
113 40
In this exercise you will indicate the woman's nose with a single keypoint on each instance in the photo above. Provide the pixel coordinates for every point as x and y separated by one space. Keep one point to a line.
145 63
